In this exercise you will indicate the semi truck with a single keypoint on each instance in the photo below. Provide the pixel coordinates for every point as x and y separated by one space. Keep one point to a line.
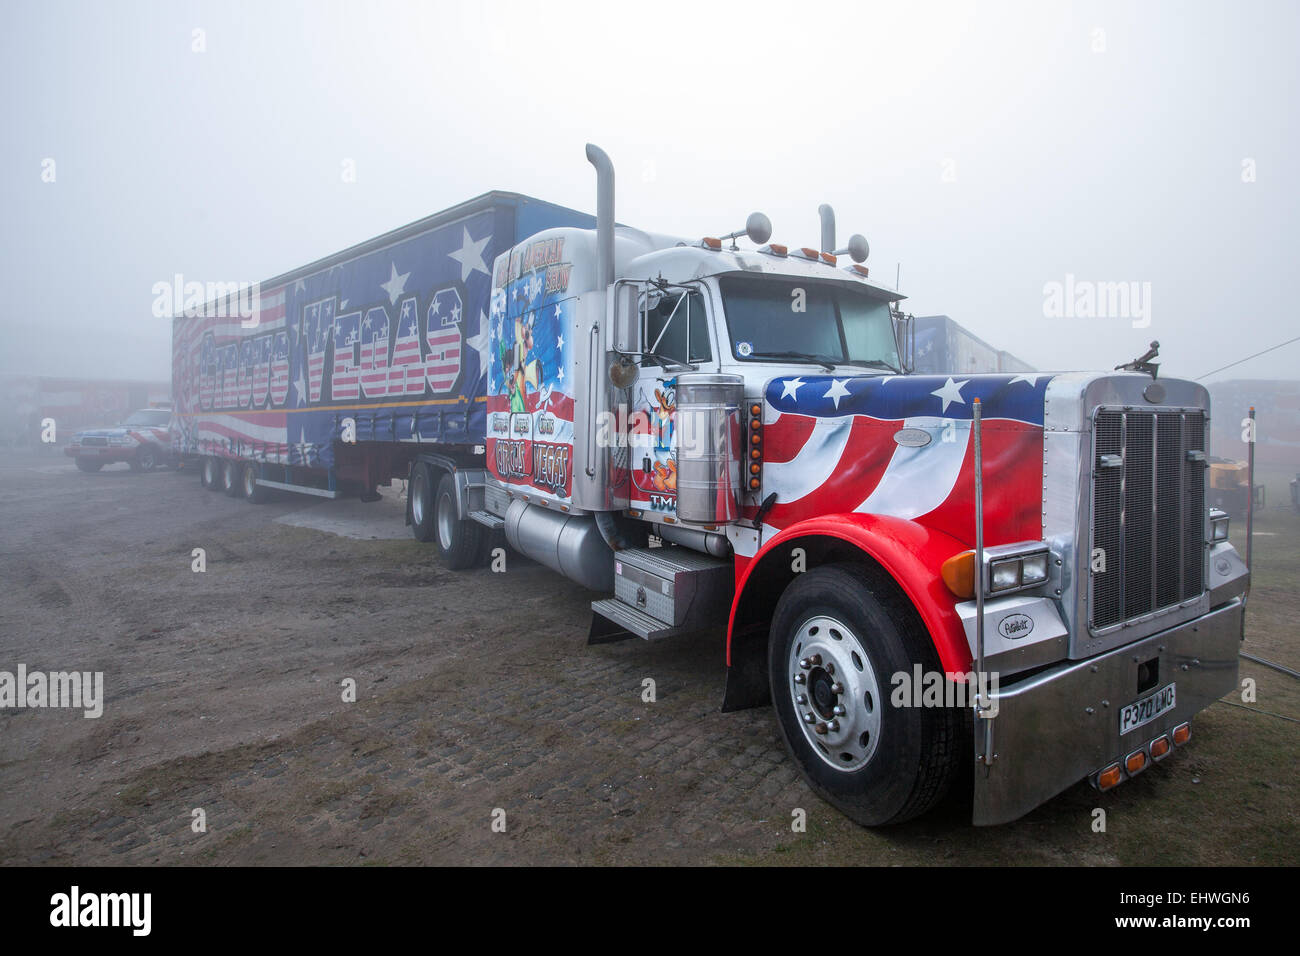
1003 583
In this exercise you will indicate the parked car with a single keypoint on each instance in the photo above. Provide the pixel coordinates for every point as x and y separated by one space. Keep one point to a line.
142 441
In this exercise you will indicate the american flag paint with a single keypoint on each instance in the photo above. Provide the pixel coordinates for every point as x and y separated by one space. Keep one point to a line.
830 446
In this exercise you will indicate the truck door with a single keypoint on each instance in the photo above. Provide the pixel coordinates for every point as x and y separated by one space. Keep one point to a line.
677 331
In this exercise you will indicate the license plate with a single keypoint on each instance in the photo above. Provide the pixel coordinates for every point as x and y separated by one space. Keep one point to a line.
1147 709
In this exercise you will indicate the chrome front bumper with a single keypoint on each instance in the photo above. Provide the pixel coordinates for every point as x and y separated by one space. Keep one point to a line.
1062 725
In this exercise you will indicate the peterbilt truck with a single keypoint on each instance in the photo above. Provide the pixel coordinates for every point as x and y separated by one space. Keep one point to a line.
728 440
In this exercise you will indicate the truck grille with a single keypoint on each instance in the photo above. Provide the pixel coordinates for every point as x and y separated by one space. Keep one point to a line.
94 440
1148 512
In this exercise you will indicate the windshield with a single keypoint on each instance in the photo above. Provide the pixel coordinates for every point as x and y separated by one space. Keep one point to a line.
808 322
149 417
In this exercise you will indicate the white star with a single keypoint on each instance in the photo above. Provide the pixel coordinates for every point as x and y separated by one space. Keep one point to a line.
559 376
557 311
951 392
300 286
836 392
437 308
455 313
481 343
559 342
1031 379
470 255
395 285
790 387
300 387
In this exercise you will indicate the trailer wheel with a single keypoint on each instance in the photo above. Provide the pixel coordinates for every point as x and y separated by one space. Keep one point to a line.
421 498
253 492
230 482
459 542
210 473
88 465
835 643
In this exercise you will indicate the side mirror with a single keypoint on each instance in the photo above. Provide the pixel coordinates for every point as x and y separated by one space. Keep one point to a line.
625 332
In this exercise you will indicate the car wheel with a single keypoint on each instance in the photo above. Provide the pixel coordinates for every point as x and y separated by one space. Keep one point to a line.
146 459
87 465
835 643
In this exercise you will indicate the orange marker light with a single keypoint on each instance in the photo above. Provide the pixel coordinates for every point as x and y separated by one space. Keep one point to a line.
1109 777
756 410
1182 734
1136 762
754 483
1160 747
958 572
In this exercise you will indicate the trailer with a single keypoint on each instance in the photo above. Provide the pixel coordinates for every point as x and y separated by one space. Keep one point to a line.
944 345
1004 582
344 369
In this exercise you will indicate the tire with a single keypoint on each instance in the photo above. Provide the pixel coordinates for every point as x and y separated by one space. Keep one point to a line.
87 465
210 473
421 502
249 489
145 460
877 763
459 542
230 474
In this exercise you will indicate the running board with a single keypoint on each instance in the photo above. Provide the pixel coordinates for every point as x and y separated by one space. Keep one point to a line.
489 519
612 620
300 489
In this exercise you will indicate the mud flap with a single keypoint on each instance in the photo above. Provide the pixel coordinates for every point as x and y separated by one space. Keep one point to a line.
747 681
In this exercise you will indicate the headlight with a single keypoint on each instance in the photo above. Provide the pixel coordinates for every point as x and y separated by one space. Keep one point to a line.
1218 526
1013 567
1033 568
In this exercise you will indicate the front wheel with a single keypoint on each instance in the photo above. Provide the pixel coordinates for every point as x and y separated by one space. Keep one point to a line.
836 643
146 459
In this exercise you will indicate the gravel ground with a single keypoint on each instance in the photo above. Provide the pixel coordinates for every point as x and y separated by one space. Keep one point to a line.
477 702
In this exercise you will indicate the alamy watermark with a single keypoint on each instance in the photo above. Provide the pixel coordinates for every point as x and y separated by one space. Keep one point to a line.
209 300
1086 299
79 690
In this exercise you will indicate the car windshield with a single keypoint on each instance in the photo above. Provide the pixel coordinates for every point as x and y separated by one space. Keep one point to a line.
807 322
149 417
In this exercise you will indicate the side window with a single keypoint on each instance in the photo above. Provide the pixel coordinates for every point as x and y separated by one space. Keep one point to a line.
667 323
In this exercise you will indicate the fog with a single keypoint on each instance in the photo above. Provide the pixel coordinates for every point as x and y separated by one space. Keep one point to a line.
986 151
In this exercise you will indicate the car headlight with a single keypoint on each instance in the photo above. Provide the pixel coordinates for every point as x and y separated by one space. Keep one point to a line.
1218 526
1016 566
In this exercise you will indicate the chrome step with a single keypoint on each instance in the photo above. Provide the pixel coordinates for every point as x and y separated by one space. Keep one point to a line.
612 620
488 518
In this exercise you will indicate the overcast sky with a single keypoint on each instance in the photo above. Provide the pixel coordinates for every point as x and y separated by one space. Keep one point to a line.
991 149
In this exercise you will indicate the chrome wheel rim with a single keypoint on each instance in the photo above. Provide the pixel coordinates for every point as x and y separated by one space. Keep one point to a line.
419 487
250 482
446 521
835 693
